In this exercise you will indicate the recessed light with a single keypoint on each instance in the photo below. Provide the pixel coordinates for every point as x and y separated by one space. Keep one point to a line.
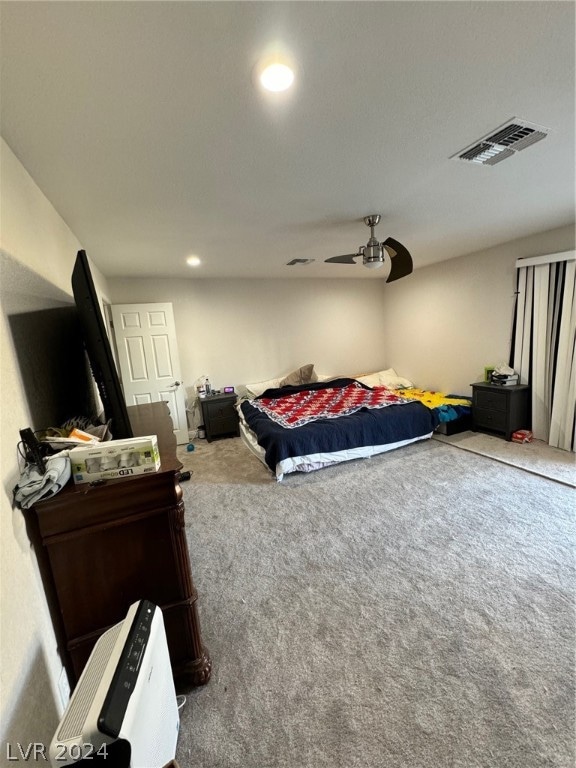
275 70
193 261
277 77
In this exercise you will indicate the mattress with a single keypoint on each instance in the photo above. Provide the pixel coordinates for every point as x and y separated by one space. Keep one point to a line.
314 461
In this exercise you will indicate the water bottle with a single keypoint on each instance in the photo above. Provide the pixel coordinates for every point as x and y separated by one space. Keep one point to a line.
207 387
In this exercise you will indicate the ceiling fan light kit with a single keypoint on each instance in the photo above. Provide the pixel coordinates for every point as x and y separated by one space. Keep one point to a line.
373 253
373 256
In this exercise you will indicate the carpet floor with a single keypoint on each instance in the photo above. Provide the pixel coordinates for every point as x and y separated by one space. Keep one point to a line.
413 610
536 457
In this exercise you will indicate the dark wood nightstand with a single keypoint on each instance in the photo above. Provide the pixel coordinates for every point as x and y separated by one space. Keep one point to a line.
220 416
500 409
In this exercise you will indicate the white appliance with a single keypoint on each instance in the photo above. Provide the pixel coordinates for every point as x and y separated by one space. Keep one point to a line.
123 711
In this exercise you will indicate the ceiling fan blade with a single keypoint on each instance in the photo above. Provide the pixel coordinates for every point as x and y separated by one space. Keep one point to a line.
347 259
400 259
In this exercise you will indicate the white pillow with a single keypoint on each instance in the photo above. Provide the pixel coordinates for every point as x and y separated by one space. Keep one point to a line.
395 382
388 378
254 390
371 380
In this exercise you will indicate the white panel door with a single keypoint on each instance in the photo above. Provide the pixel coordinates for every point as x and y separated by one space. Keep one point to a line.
145 337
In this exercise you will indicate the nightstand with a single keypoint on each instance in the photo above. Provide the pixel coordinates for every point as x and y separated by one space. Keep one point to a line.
220 416
500 409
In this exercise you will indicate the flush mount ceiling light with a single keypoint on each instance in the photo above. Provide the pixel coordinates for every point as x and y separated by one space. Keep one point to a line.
193 261
277 77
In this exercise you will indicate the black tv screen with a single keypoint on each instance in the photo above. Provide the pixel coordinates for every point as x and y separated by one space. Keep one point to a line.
99 350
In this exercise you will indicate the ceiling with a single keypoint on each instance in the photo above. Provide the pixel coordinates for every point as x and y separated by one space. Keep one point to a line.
141 123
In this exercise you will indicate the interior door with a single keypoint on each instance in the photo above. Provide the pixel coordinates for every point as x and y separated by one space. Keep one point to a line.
145 336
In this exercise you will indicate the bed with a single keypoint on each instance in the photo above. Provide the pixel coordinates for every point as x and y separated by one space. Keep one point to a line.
301 428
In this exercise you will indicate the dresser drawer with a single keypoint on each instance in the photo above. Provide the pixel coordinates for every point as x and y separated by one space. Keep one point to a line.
490 419
493 401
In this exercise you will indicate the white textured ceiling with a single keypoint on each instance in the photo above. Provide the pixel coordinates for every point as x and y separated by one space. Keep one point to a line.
141 123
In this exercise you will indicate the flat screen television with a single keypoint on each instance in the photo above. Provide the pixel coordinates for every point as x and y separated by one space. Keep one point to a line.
99 350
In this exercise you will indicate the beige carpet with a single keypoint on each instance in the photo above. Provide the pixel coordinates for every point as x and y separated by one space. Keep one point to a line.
225 460
536 457
413 610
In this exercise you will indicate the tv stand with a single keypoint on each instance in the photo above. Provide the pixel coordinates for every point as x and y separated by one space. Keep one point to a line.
104 547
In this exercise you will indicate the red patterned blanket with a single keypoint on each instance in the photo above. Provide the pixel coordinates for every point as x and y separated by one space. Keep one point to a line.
299 408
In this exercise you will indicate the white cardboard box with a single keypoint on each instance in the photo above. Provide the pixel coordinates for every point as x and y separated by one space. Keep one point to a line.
115 459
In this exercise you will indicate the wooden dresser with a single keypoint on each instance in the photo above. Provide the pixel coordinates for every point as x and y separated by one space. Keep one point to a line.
101 548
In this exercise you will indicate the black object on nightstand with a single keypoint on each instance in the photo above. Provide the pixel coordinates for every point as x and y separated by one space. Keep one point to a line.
220 416
500 409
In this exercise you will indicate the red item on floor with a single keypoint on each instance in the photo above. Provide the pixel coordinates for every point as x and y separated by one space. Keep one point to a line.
522 436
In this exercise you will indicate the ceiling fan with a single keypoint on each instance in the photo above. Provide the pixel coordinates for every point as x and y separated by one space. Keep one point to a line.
373 253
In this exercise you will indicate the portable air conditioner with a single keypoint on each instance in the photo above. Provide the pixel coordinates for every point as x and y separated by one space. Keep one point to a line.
123 711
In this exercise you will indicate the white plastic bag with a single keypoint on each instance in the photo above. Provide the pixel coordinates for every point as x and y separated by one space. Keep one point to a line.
34 486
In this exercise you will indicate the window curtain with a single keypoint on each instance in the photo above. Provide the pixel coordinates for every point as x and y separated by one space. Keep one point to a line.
544 344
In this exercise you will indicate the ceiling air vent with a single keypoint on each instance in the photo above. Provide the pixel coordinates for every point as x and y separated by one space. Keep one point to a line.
503 142
303 262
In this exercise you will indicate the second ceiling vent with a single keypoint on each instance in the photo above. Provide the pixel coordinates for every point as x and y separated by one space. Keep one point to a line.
514 136
299 262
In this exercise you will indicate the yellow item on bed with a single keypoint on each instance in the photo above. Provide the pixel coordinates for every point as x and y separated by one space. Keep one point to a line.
432 399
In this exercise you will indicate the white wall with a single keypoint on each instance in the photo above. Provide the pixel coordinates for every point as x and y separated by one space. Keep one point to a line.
238 331
446 322
438 327
36 259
